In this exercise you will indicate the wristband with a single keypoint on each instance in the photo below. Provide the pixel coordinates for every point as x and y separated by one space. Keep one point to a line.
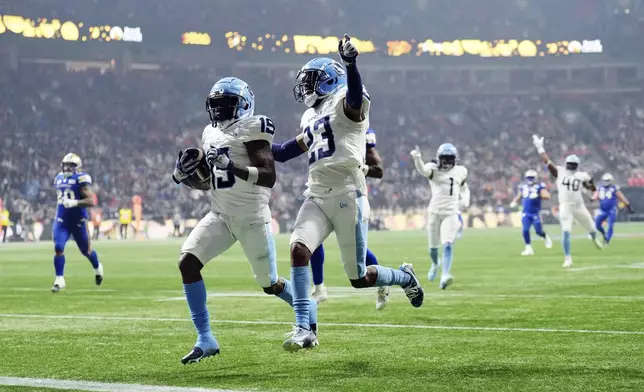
365 169
253 175
541 150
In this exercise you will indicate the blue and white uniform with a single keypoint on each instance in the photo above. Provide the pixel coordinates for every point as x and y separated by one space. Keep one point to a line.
530 193
607 195
71 221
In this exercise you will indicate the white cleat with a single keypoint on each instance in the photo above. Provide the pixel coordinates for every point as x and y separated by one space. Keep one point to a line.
528 251
319 294
300 339
446 281
59 284
383 297
567 262
98 274
433 271
548 241
598 243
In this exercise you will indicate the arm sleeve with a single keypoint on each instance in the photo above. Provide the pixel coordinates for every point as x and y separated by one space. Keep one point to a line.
465 196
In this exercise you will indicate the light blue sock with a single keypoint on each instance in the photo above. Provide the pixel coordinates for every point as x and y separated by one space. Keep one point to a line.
433 253
391 277
301 280
287 296
196 298
566 243
447 258
287 293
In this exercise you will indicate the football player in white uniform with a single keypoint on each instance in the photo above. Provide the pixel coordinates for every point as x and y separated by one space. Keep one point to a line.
238 146
450 194
372 168
570 184
333 133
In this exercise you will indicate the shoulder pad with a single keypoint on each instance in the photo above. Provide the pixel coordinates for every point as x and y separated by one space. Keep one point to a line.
464 171
256 128
84 178
306 117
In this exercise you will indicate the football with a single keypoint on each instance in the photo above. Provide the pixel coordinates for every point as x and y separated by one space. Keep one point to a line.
200 179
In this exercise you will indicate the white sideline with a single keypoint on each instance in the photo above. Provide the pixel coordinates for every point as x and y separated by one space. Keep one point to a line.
97 386
341 325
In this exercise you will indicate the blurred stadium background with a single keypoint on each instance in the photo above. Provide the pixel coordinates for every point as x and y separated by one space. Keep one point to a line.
122 83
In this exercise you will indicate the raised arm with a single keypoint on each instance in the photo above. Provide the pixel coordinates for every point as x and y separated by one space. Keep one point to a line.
353 100
538 144
424 169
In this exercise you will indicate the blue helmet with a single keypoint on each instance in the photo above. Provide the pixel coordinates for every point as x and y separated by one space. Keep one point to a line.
230 99
446 156
318 79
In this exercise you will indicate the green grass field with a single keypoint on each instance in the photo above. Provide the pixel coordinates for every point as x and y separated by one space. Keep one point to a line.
507 324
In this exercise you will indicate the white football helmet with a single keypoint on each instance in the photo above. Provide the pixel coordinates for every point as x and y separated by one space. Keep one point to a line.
608 178
572 162
70 164
531 175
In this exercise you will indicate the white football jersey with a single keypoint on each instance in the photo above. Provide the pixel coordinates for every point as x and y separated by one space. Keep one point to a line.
570 185
336 147
446 189
231 195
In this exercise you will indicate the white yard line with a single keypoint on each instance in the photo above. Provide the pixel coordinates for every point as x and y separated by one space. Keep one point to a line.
340 325
349 292
97 386
600 267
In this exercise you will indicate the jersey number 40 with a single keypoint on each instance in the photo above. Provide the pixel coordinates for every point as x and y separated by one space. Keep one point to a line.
571 183
327 134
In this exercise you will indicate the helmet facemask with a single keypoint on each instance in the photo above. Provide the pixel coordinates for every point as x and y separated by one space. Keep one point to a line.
223 108
306 87
446 161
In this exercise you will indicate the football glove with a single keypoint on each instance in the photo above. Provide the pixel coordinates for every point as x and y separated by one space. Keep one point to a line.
69 203
347 50
415 153
513 204
184 166
630 209
538 143
218 158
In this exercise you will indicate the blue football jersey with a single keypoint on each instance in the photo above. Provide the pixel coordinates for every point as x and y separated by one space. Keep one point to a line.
371 138
607 197
70 188
531 197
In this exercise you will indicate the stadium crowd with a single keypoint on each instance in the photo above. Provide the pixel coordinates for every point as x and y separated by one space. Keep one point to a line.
128 128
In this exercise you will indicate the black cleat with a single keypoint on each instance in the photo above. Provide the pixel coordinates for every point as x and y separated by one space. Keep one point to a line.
98 279
197 354
413 290
55 288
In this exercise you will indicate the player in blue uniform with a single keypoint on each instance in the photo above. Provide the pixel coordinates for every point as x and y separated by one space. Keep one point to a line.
608 195
74 195
532 192
372 168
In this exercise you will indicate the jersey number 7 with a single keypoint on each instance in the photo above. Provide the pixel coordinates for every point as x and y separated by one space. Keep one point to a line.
320 153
